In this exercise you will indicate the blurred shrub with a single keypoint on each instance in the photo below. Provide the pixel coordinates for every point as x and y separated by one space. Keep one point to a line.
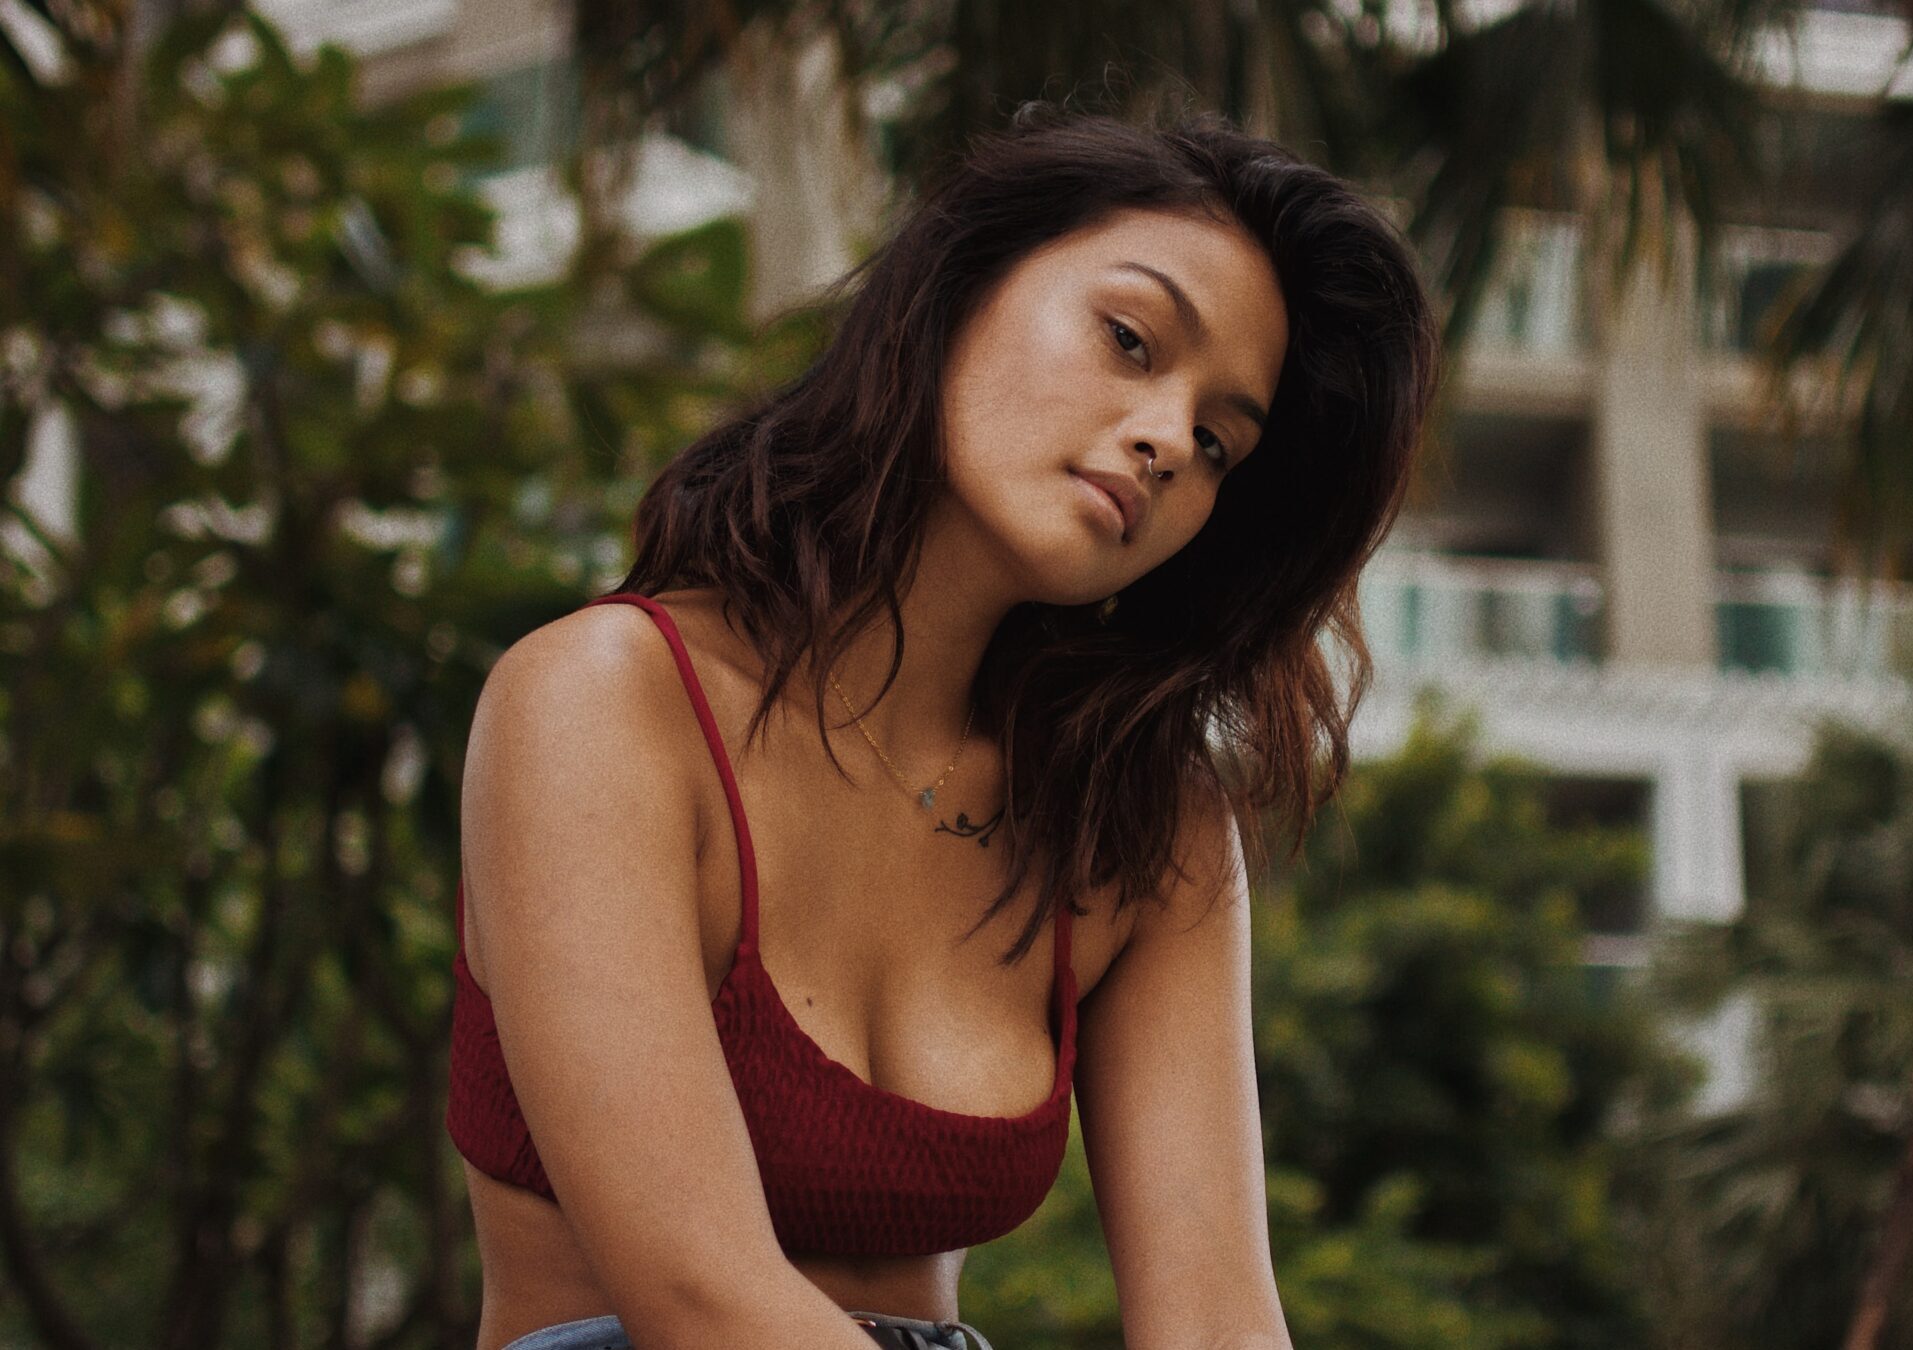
1783 1219
323 479
1439 1074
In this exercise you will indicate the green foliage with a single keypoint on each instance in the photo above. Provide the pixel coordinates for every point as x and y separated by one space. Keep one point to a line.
1438 1079
1767 1214
326 478
1430 1038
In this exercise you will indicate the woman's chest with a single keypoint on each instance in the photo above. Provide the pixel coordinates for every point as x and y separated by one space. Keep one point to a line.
867 914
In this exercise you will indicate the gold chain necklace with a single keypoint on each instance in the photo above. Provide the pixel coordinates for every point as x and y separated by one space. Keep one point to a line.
926 797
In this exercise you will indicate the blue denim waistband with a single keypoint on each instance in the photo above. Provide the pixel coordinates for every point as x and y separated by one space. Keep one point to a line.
903 1333
940 1335
588 1333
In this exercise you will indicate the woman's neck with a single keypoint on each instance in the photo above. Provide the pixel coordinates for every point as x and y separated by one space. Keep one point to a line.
950 610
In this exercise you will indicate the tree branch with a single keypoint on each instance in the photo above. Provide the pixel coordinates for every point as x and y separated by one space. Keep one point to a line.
51 1319
1886 1271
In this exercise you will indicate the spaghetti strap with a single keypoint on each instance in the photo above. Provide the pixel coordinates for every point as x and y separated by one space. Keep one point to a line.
746 857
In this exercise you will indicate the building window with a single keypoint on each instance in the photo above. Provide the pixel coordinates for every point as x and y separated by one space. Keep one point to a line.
1755 276
1616 905
533 111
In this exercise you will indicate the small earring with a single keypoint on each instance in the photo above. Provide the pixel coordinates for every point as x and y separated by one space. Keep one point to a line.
1104 610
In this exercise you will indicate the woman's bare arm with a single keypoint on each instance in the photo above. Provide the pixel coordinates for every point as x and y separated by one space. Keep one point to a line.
579 840
1165 1086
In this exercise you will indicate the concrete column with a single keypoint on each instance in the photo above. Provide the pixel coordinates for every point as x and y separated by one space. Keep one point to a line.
1654 513
1694 828
793 126
47 487
1724 1041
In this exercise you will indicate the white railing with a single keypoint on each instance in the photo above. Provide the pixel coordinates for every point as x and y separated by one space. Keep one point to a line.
1797 624
1430 607
1424 608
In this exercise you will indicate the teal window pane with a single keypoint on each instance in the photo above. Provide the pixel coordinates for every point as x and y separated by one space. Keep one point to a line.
532 111
1755 637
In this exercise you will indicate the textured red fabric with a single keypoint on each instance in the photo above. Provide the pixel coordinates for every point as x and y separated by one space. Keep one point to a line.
849 1169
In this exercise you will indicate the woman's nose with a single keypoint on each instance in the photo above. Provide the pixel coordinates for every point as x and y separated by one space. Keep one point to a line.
1161 475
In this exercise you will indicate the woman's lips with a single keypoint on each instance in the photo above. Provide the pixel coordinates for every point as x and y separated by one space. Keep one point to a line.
1106 505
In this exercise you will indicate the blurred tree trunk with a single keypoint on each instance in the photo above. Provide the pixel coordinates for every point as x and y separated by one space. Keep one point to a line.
1887 1271
1794 1206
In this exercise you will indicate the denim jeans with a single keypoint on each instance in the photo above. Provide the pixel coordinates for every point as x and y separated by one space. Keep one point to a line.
897 1333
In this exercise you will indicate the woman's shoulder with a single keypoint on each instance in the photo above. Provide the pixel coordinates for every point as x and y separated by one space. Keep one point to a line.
612 658
602 673
581 729
611 667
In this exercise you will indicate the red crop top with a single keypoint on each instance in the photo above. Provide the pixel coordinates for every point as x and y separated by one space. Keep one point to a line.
849 1169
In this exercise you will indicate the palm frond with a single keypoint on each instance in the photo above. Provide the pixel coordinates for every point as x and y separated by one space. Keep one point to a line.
1855 318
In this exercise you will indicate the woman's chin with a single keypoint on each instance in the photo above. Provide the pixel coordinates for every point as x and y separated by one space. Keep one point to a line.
1073 590
1064 578
1072 566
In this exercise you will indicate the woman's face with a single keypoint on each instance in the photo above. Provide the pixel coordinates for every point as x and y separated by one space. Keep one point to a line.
1149 336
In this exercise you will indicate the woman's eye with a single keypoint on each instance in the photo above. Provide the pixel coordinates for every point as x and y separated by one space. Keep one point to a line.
1127 339
1125 336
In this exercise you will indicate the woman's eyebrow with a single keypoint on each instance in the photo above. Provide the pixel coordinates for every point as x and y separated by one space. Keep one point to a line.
1192 320
1185 307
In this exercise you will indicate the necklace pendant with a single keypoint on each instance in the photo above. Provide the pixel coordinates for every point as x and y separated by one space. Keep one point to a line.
928 798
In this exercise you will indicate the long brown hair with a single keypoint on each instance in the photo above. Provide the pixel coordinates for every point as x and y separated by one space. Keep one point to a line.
807 513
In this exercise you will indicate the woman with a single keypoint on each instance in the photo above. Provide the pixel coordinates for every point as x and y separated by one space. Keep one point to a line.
993 623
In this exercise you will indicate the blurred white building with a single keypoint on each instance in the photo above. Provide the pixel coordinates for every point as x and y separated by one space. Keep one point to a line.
1624 566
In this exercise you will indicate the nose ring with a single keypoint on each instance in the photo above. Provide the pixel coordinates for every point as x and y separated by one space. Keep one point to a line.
1165 475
